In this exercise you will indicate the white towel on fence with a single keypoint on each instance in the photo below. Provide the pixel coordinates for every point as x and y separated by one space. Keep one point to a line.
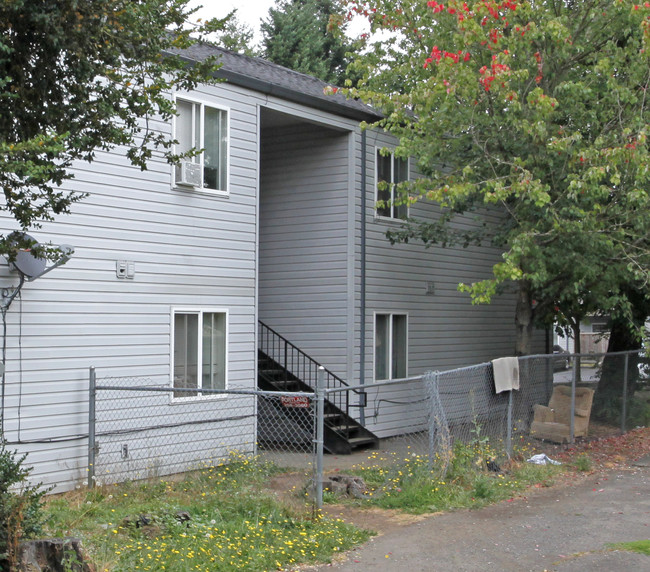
506 374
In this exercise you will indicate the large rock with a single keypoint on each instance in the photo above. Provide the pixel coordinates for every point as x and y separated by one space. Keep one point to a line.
53 555
347 484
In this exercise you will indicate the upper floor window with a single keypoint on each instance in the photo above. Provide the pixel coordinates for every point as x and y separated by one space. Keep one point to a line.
198 126
199 351
391 171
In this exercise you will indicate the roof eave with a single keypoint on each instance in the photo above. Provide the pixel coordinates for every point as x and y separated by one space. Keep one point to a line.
329 105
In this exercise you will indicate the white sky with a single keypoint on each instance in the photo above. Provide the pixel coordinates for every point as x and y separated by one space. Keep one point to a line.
248 11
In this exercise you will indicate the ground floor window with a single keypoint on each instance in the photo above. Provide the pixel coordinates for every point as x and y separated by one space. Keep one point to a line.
390 346
200 350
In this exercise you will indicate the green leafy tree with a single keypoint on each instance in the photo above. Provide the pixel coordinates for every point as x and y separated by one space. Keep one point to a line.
540 110
237 36
299 35
77 76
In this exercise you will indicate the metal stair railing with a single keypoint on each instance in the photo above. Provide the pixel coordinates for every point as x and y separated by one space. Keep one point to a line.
294 361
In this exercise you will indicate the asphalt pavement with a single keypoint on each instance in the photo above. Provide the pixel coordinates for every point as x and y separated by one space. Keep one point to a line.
563 528
587 375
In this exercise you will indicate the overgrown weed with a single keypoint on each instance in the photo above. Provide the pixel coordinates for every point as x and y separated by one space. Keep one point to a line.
21 514
475 474
234 523
583 463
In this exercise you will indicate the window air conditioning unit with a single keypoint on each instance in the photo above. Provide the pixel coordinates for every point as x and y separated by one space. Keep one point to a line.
188 174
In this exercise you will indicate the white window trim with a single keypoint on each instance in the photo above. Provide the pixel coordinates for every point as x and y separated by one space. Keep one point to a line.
379 217
390 357
203 102
197 310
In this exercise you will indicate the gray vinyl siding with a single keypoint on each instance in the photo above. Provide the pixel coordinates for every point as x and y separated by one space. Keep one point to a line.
191 249
445 330
199 431
284 244
304 237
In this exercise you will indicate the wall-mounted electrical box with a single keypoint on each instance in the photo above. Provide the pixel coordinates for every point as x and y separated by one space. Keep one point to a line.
125 269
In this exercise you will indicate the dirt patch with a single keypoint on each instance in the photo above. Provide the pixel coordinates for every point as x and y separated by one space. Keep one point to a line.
291 489
374 519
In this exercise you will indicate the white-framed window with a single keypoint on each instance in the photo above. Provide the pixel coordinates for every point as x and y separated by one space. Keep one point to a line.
200 126
199 350
391 346
391 171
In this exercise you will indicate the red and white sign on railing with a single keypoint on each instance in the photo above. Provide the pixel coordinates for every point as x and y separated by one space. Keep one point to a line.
294 401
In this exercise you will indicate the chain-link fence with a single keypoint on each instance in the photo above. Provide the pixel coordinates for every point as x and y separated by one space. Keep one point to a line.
141 430
608 393
560 398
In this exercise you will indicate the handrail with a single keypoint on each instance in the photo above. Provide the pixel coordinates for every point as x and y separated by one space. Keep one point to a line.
295 362
330 376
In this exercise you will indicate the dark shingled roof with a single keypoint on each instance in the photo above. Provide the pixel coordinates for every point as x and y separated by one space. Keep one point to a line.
265 77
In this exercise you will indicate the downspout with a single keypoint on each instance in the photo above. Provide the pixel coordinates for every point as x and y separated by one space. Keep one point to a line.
362 309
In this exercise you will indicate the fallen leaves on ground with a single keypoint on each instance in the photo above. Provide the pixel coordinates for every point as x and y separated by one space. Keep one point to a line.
608 452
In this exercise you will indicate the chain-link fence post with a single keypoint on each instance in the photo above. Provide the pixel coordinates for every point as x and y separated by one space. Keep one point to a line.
431 385
509 428
624 408
572 420
320 424
439 437
92 393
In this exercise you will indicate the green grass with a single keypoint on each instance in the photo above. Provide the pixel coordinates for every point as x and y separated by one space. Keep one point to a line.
411 484
640 546
583 463
235 524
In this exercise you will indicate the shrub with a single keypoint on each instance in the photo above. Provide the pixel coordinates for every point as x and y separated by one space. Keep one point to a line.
20 505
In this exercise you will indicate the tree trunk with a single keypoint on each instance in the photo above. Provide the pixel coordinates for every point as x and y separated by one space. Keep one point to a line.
621 338
524 320
608 397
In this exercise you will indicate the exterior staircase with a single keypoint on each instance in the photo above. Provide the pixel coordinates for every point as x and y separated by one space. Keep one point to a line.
284 367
